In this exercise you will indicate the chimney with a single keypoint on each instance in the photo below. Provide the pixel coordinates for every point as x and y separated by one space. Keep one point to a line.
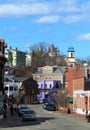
78 66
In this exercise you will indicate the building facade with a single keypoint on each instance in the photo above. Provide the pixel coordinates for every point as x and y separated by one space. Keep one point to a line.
49 79
30 90
15 57
3 60
75 83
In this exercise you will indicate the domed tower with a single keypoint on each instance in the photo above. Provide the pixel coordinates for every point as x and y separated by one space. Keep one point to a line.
71 58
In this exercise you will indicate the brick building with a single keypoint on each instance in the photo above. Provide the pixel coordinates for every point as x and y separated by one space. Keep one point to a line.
75 83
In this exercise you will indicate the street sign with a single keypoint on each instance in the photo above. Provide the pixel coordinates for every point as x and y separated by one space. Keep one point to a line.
70 100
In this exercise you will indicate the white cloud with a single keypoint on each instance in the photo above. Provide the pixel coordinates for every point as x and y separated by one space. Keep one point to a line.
69 10
30 7
71 19
49 19
76 18
85 37
25 9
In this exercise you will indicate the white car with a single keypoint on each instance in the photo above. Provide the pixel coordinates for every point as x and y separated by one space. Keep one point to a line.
28 115
23 108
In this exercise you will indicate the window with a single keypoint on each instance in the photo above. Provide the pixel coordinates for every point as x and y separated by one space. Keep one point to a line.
57 85
50 77
71 54
46 77
50 85
6 88
11 88
15 89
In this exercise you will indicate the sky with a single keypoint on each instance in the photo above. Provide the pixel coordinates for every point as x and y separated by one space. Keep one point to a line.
64 23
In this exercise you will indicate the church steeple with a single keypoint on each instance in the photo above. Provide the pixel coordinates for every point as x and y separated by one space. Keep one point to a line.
71 52
71 58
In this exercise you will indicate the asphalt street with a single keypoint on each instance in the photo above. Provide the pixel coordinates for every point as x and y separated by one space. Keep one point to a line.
48 120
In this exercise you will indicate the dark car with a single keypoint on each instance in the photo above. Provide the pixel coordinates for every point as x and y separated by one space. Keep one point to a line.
49 106
88 117
45 100
45 105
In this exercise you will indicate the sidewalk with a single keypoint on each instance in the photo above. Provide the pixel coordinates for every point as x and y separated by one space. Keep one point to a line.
10 121
77 115
80 116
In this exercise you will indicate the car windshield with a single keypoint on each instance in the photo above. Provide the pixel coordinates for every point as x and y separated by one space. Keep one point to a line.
24 107
29 112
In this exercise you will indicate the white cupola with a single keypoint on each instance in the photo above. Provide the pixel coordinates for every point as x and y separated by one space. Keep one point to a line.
71 58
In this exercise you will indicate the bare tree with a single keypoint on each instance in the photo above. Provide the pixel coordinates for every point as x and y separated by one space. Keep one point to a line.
39 54
62 98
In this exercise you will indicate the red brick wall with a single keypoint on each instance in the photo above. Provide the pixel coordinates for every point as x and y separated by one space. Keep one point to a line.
69 76
74 77
78 83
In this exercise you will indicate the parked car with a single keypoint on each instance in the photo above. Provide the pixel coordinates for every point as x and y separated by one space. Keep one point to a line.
88 117
50 106
36 101
22 108
44 105
28 115
45 100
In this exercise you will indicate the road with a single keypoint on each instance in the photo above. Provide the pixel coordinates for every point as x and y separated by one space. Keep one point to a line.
47 120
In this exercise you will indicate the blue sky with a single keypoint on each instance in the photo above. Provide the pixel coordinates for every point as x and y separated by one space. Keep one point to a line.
62 22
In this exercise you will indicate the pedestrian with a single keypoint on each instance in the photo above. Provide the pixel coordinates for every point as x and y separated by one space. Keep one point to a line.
15 107
11 108
4 110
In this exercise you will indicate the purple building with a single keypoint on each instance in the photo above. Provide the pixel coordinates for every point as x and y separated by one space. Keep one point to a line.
49 79
48 88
